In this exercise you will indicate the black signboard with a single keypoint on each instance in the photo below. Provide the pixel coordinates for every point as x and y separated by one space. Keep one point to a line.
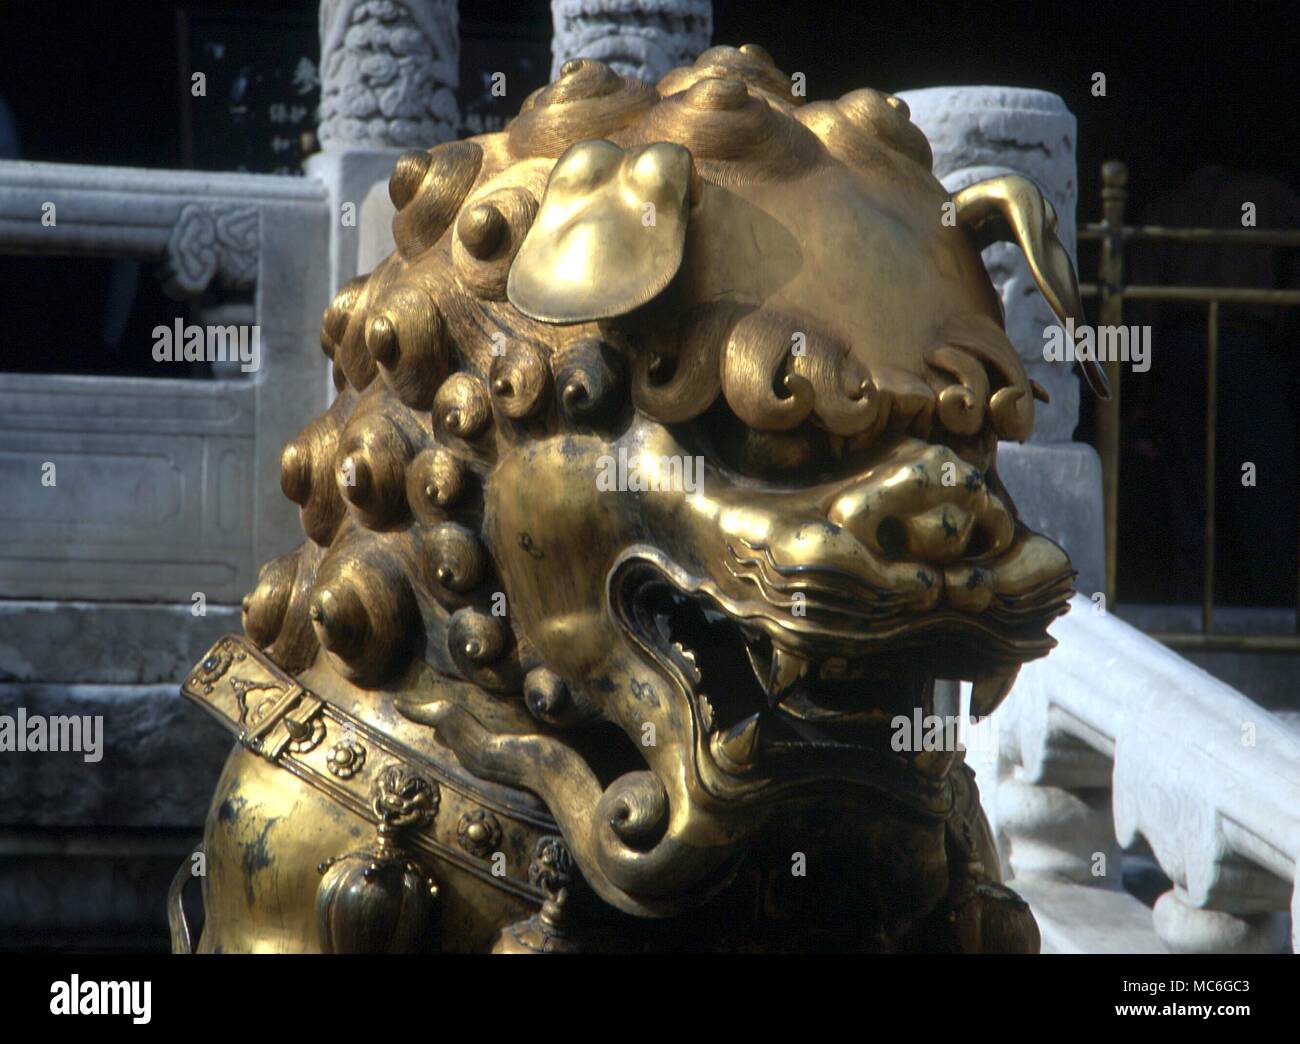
260 90
500 65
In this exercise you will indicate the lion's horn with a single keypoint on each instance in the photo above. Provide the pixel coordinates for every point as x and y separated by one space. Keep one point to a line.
1011 209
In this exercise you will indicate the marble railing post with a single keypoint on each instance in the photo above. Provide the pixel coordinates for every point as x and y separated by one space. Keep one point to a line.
389 70
984 132
1199 775
1054 813
641 38
1187 928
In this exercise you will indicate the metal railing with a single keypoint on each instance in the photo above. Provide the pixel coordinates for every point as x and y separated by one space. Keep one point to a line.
1111 292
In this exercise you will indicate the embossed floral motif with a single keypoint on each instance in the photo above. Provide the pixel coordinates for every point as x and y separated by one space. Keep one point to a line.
345 758
211 240
479 832
312 739
215 665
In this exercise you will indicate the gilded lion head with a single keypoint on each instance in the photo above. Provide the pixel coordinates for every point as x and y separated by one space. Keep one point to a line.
662 470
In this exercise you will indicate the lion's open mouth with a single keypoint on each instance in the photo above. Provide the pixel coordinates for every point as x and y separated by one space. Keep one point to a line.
775 702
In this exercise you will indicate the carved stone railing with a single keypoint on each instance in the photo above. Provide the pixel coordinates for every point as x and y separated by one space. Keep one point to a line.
161 487
1113 741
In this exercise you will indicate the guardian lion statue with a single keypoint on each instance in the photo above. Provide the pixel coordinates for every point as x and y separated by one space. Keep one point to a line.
660 481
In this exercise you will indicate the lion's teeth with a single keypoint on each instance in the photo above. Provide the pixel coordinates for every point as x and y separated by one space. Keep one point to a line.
706 713
785 672
990 689
737 748
688 657
757 665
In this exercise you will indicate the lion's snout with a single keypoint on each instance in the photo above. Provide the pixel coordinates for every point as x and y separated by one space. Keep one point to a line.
924 504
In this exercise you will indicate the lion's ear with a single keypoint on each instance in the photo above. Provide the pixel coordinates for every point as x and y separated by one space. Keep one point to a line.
609 235
1011 209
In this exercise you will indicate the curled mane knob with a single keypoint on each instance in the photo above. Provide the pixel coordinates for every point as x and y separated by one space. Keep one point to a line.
296 471
681 382
264 607
462 407
549 699
371 468
488 235
758 361
405 339
713 93
334 321
334 324
750 64
459 558
435 480
343 331
481 228
519 381
636 808
480 646
545 694
590 378
475 637
428 191
588 100
961 405
364 613
735 137
306 464
407 174
862 123
845 400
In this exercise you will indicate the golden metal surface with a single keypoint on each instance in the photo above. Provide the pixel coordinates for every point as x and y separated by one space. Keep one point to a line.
660 485
1114 176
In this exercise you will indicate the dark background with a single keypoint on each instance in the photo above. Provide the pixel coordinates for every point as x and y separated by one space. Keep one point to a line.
1187 83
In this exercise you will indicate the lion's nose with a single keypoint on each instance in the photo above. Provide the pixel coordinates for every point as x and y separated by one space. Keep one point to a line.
926 504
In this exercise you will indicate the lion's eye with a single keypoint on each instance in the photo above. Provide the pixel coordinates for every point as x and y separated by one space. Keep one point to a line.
779 456
778 453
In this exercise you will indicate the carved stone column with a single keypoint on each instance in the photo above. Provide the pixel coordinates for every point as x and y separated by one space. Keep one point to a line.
389 71
984 132
641 38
